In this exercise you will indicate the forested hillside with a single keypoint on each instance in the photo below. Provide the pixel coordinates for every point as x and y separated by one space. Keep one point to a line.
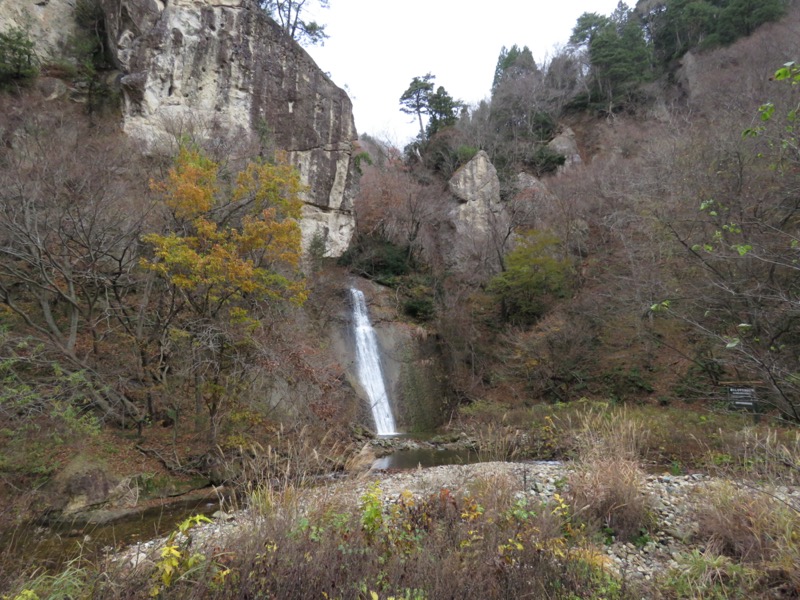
654 258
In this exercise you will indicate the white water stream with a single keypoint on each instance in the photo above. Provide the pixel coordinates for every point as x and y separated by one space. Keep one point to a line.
368 363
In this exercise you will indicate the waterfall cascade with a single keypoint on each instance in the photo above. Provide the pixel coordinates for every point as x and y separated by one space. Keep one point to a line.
368 364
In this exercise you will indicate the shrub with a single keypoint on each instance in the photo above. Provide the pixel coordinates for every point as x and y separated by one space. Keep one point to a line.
544 160
377 258
535 275
488 544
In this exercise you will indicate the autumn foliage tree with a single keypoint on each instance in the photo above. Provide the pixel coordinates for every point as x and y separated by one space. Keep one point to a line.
229 250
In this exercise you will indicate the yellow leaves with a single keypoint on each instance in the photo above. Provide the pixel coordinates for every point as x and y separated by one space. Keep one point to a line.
471 510
561 508
191 184
266 184
254 252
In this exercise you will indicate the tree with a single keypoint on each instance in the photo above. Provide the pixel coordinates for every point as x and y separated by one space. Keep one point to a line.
17 57
513 63
69 232
415 100
677 26
443 111
290 15
229 251
534 276
618 53
744 241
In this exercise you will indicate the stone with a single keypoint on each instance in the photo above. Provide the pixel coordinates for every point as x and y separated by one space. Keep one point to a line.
218 68
223 68
51 88
49 24
479 220
362 461
476 181
566 144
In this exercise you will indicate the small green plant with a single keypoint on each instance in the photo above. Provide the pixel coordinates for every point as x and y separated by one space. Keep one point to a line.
709 575
371 511
72 582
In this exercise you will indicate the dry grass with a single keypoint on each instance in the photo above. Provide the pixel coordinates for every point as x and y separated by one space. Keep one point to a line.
608 494
606 489
761 453
487 543
754 527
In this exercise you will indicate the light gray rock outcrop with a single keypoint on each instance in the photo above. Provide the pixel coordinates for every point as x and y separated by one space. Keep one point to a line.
224 68
49 23
219 68
566 144
479 218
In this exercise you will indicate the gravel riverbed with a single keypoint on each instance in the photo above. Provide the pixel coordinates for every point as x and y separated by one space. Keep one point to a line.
673 498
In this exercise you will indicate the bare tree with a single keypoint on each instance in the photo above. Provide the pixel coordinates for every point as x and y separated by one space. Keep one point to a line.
69 236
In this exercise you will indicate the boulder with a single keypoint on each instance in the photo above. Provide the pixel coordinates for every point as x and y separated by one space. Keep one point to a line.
362 461
566 144
83 483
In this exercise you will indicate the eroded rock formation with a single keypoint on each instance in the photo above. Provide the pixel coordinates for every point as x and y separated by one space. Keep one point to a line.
49 23
479 219
226 68
566 144
220 69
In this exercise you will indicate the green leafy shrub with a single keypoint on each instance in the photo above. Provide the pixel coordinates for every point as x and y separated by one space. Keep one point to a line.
534 276
544 160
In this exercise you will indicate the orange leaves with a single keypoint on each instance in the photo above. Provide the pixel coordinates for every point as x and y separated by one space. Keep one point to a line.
254 253
191 184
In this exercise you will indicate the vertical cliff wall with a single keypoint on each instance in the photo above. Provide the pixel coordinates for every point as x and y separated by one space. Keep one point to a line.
224 67
220 68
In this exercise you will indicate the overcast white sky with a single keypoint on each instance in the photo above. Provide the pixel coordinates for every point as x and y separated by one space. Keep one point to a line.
376 47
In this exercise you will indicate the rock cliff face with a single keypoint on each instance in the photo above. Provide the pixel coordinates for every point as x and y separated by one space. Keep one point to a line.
48 22
224 67
220 68
566 144
479 218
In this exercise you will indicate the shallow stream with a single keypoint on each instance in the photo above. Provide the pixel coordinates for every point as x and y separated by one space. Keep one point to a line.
53 546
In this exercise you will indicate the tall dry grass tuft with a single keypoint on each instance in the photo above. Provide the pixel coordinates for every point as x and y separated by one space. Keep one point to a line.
500 443
761 453
607 494
615 432
297 459
753 526
606 488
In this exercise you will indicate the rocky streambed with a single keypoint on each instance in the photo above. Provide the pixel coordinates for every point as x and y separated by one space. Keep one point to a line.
674 500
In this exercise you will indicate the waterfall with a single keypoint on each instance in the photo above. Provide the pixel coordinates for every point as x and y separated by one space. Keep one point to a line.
368 363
